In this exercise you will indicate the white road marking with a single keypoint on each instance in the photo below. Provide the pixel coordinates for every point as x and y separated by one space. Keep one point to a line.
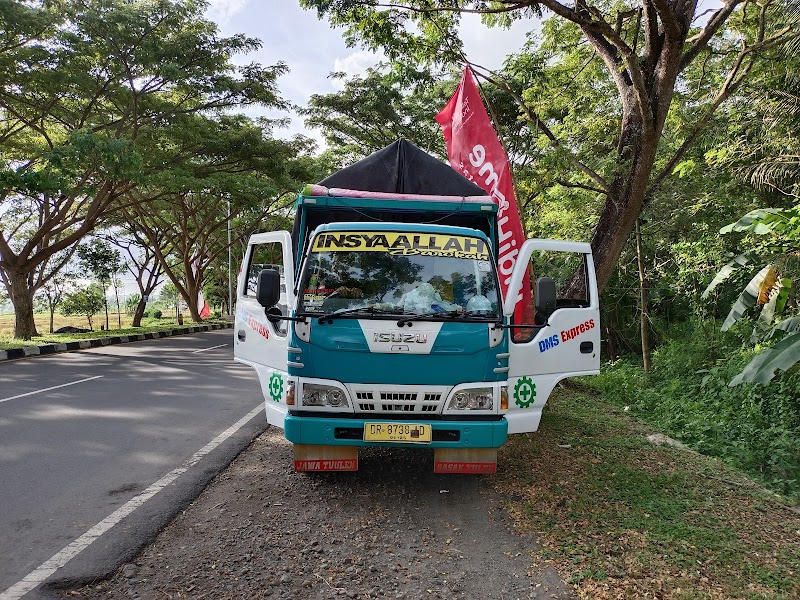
55 387
211 348
47 568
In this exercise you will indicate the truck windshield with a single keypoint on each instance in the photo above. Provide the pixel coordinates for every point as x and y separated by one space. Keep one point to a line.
391 274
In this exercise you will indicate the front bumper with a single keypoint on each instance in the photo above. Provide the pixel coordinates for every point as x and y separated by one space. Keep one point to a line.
348 432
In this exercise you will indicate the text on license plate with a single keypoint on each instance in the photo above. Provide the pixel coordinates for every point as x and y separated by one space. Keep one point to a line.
397 432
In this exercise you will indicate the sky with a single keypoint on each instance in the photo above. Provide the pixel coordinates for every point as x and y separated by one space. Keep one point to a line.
312 49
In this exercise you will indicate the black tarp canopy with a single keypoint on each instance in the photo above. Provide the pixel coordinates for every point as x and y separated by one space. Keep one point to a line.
403 168
399 168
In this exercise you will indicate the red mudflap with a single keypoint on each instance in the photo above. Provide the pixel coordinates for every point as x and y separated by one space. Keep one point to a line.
468 468
326 465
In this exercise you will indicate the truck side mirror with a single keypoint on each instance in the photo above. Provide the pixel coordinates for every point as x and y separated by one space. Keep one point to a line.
274 315
545 296
268 288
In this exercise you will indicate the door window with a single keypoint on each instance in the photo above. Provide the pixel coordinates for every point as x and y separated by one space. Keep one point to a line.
267 256
570 291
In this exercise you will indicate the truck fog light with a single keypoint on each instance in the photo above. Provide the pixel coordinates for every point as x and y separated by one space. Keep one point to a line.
334 398
461 400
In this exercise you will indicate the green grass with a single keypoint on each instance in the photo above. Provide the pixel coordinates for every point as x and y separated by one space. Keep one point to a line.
620 517
752 427
148 326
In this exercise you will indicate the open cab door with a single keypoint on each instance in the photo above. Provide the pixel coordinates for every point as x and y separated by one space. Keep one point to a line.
259 341
563 338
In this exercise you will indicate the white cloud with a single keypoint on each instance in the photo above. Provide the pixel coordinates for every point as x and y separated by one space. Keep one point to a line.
487 46
221 11
353 64
312 48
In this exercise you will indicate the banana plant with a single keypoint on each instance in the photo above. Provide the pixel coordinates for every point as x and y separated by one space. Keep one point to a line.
770 288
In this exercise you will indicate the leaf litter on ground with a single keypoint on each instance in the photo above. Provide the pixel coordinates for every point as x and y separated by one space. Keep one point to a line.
622 518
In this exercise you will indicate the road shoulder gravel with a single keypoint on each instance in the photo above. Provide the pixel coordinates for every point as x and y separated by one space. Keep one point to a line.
394 529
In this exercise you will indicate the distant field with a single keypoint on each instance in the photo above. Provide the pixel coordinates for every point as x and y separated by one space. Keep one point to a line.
149 325
43 322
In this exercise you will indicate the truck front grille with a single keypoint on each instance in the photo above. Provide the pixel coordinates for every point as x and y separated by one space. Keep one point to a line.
394 401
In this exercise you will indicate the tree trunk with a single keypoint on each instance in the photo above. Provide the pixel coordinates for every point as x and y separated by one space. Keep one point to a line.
22 298
644 321
105 303
191 301
119 314
139 313
622 207
194 311
52 312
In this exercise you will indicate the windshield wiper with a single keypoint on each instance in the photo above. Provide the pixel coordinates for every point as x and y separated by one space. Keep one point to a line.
373 310
452 314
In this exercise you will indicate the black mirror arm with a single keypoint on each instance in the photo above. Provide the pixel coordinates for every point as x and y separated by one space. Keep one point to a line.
523 326
275 318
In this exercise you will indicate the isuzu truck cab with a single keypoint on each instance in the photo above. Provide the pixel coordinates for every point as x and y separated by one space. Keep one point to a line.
379 322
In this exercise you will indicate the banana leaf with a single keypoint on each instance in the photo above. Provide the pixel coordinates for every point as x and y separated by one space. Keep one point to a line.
747 299
764 319
781 357
783 295
725 272
790 325
754 221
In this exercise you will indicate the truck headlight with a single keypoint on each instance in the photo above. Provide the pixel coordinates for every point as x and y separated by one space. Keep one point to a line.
474 399
323 395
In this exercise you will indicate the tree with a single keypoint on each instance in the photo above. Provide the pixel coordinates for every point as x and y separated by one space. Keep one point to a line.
53 293
373 111
216 288
87 302
772 240
770 289
103 262
67 159
645 49
142 263
168 296
132 303
231 171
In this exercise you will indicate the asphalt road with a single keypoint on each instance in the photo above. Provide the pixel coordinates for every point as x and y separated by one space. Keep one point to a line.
85 434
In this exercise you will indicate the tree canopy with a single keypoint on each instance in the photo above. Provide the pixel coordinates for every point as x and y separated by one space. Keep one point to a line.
131 70
645 48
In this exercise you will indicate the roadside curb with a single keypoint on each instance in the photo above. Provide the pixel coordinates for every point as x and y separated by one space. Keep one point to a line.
44 350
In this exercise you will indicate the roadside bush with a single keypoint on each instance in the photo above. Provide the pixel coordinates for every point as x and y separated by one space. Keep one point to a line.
686 395
131 303
146 314
156 314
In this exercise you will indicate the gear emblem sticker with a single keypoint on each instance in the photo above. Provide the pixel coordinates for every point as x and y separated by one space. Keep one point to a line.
524 392
276 387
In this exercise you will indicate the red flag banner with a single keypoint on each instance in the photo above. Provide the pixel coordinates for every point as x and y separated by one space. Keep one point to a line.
476 153
202 305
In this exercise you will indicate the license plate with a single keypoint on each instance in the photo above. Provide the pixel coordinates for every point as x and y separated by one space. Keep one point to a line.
397 432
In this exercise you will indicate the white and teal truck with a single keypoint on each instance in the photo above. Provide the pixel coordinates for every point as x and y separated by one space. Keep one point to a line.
378 320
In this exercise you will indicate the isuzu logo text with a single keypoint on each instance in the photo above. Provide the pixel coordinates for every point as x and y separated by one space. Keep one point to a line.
418 338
